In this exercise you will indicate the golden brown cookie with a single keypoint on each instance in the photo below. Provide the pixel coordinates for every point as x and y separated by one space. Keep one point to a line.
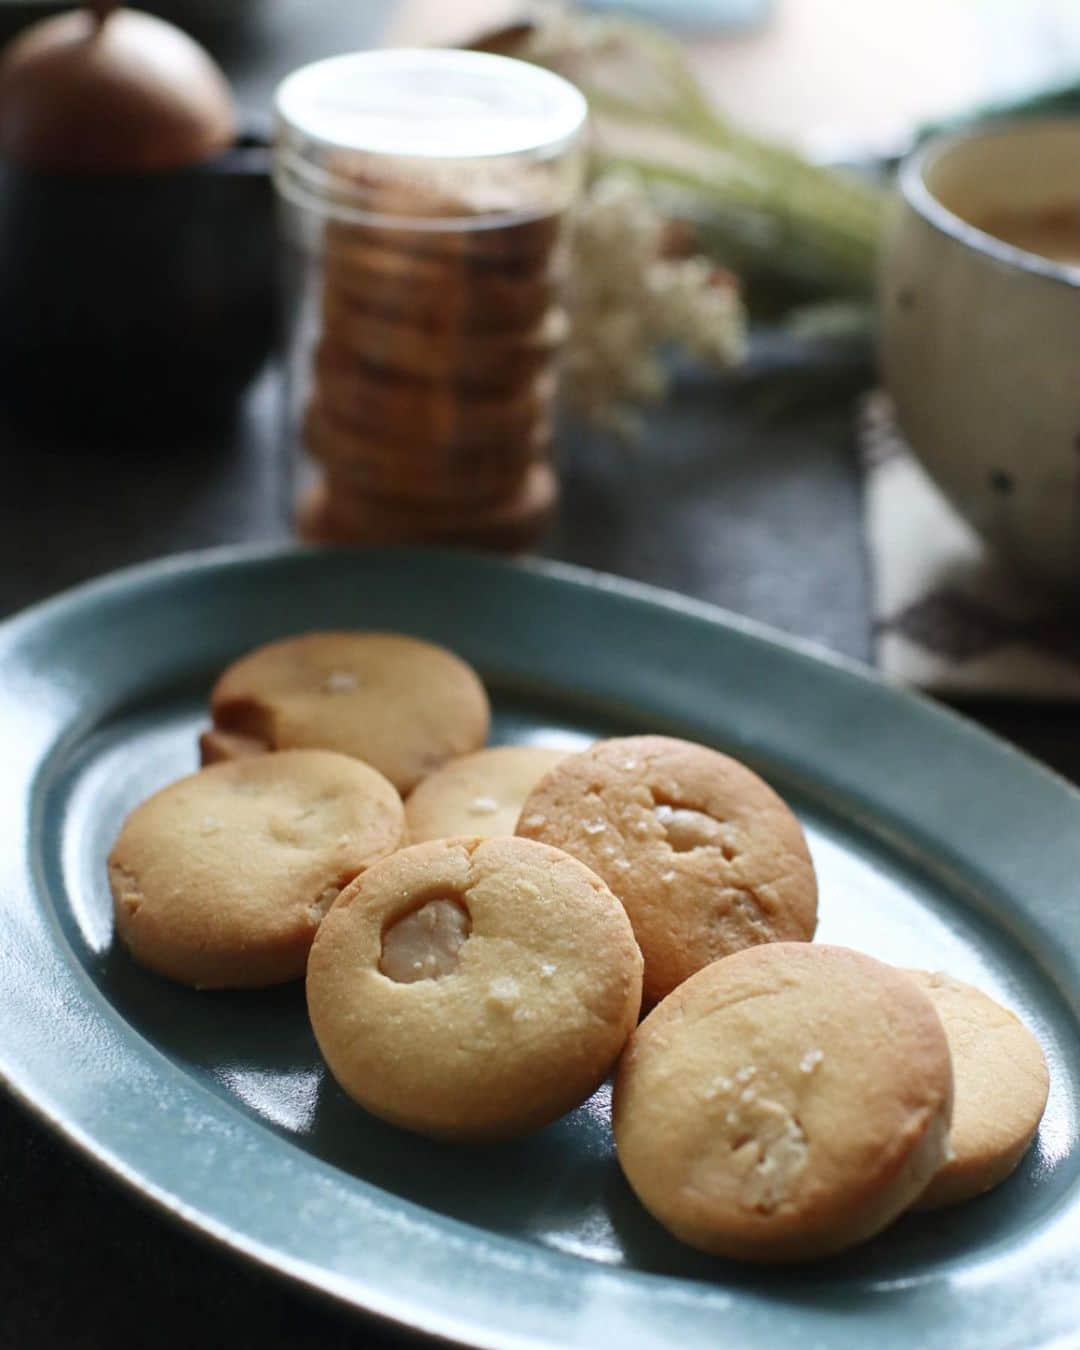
479 794
326 516
437 297
784 1103
350 447
361 463
221 879
474 989
402 705
421 227
704 855
497 360
427 414
216 747
455 465
1002 1083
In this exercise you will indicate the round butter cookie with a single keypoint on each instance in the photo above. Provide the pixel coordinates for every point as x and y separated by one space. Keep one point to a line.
479 794
498 360
784 1103
220 880
440 480
520 245
1002 1083
348 448
438 296
704 855
402 705
430 414
474 989
327 515
216 746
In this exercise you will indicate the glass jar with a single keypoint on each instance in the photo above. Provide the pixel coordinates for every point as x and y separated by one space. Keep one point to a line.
424 201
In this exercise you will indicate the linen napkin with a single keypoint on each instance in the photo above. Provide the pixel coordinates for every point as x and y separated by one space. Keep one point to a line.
948 617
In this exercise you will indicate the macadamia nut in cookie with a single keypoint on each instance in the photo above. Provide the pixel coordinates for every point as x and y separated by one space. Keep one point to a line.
474 989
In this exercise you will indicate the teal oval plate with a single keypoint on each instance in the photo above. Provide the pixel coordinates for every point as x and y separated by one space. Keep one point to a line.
936 846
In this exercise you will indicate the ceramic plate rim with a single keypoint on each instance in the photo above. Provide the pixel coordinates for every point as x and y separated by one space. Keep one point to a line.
359 1291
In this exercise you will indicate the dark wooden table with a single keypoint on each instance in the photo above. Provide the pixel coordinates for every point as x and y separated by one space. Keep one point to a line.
724 499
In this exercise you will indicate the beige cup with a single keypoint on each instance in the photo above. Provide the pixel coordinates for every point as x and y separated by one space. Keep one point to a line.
981 340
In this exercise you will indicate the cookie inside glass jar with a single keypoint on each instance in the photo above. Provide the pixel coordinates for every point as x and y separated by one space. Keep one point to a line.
426 197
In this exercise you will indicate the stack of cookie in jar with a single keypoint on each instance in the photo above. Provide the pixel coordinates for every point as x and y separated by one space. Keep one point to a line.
432 380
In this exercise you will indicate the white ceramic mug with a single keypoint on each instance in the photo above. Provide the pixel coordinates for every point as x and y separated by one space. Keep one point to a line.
981 340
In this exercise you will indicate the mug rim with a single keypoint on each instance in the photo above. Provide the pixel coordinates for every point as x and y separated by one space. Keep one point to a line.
931 209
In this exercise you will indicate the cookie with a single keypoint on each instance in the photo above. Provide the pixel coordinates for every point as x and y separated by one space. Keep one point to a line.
215 746
480 794
221 879
704 855
456 464
362 463
496 360
1002 1084
784 1103
429 415
402 705
418 224
473 989
437 297
325 516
